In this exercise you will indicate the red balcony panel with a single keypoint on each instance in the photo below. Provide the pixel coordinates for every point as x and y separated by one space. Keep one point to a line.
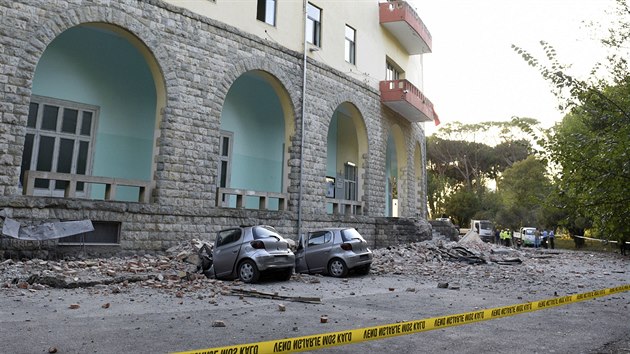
407 100
401 20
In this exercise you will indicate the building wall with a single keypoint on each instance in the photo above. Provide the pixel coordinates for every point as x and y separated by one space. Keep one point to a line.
289 32
194 62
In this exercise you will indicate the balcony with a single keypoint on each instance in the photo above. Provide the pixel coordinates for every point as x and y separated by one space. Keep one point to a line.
407 100
402 22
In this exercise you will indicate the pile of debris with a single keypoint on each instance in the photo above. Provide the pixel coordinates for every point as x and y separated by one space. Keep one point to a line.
179 267
418 257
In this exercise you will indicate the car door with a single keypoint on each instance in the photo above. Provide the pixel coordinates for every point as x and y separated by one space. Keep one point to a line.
300 259
317 250
226 250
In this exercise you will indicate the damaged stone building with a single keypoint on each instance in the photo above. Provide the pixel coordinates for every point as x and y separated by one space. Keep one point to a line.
166 120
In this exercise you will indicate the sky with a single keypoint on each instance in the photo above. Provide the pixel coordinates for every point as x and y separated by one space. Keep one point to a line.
473 74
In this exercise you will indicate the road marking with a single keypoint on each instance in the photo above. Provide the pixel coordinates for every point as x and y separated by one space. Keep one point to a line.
332 339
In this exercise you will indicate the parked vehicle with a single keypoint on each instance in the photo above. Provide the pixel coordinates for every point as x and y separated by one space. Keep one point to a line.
484 228
527 234
245 252
333 251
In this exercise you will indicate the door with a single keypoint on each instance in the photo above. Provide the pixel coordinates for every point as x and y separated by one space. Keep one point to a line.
317 249
226 250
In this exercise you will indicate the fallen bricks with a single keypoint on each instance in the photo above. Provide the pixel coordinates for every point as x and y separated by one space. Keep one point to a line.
57 282
274 296
182 266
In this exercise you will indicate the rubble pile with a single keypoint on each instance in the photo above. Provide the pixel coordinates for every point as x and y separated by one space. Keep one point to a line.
179 268
424 256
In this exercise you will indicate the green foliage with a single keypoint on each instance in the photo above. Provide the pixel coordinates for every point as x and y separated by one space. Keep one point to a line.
461 163
523 189
462 206
590 146
437 186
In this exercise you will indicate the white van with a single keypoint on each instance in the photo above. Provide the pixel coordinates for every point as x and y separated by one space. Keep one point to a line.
527 235
485 229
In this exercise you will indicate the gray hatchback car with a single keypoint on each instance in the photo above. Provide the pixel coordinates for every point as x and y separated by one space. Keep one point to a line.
333 251
245 252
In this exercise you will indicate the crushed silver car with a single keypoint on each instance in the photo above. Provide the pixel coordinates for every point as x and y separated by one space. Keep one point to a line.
246 252
333 251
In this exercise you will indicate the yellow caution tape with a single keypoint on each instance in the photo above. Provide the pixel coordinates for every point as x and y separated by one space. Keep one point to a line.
332 339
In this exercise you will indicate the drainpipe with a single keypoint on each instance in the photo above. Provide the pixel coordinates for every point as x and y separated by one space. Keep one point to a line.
425 199
299 221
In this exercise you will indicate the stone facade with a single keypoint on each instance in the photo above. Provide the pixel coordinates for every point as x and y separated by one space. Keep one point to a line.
198 59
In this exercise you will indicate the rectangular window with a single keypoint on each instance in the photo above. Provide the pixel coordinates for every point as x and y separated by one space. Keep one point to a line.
313 24
266 11
392 72
59 138
105 233
350 181
350 50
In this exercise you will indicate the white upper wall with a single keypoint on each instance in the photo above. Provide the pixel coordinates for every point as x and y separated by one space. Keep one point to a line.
373 43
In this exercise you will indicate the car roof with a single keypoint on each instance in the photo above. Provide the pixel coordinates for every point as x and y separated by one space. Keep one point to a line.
331 229
248 226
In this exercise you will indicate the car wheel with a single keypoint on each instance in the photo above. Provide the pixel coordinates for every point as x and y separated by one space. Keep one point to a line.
363 270
337 268
248 272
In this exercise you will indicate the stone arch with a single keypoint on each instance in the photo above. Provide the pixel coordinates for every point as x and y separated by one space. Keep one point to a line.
236 119
278 78
345 97
134 31
284 88
347 145
396 166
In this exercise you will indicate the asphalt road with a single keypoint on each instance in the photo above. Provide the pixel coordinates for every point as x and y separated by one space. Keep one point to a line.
143 320
139 318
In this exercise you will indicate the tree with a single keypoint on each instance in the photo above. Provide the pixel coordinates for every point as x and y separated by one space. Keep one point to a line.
590 146
523 189
461 163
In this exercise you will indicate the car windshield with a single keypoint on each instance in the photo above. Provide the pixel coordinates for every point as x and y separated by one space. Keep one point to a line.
529 231
350 234
261 232
486 225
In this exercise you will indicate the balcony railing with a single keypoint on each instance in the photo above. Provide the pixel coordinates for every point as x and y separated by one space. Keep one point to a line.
238 198
70 191
401 20
407 100
345 207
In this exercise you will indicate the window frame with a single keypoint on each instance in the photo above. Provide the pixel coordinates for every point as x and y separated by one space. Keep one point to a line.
350 45
224 134
263 12
326 237
58 135
350 181
100 228
393 71
228 237
313 32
